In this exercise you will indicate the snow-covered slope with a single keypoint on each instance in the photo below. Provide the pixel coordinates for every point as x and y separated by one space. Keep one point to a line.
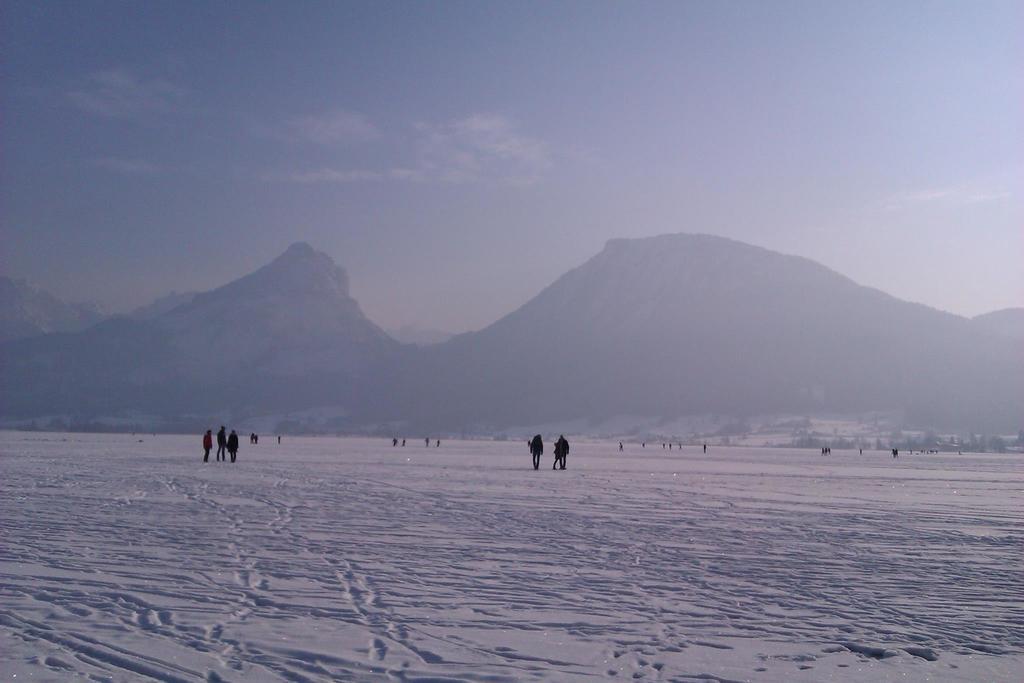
291 317
126 558
26 311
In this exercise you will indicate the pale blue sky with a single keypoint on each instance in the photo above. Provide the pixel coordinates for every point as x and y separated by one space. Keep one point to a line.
456 157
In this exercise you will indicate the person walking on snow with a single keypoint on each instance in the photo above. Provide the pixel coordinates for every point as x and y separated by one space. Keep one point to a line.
233 445
207 444
561 451
536 450
222 443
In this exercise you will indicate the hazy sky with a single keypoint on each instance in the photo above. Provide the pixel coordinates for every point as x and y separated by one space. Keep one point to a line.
457 157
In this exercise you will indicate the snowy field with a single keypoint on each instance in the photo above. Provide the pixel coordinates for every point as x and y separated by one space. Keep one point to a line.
127 558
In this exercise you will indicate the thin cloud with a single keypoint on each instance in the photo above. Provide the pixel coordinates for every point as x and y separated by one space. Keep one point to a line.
959 195
127 166
336 127
328 176
483 148
478 148
121 93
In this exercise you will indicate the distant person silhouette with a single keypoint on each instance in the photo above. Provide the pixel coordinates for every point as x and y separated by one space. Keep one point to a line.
561 451
233 445
207 444
426 442
394 442
222 443
278 439
705 448
536 450
438 443
620 447
403 443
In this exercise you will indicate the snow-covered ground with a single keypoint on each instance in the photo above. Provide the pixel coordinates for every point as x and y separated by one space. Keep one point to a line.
127 558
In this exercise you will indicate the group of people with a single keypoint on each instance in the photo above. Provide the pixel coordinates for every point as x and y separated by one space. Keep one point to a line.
227 444
536 445
426 442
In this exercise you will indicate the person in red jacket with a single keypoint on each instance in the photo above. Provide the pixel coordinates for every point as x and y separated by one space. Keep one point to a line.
207 444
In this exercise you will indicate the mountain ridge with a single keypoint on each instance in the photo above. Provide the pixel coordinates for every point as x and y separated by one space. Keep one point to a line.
688 324
26 311
664 326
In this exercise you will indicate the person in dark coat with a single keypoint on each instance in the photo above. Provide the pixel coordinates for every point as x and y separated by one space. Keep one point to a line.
536 450
561 451
207 444
222 444
233 445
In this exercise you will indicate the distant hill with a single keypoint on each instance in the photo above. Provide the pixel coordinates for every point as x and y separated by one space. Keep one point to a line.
286 337
26 311
1008 322
661 327
691 324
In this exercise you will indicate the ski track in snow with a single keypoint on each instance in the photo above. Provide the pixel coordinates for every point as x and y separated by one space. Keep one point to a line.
127 558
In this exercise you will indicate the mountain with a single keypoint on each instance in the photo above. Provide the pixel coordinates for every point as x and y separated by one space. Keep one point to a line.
285 337
689 324
26 311
162 305
1008 322
662 327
